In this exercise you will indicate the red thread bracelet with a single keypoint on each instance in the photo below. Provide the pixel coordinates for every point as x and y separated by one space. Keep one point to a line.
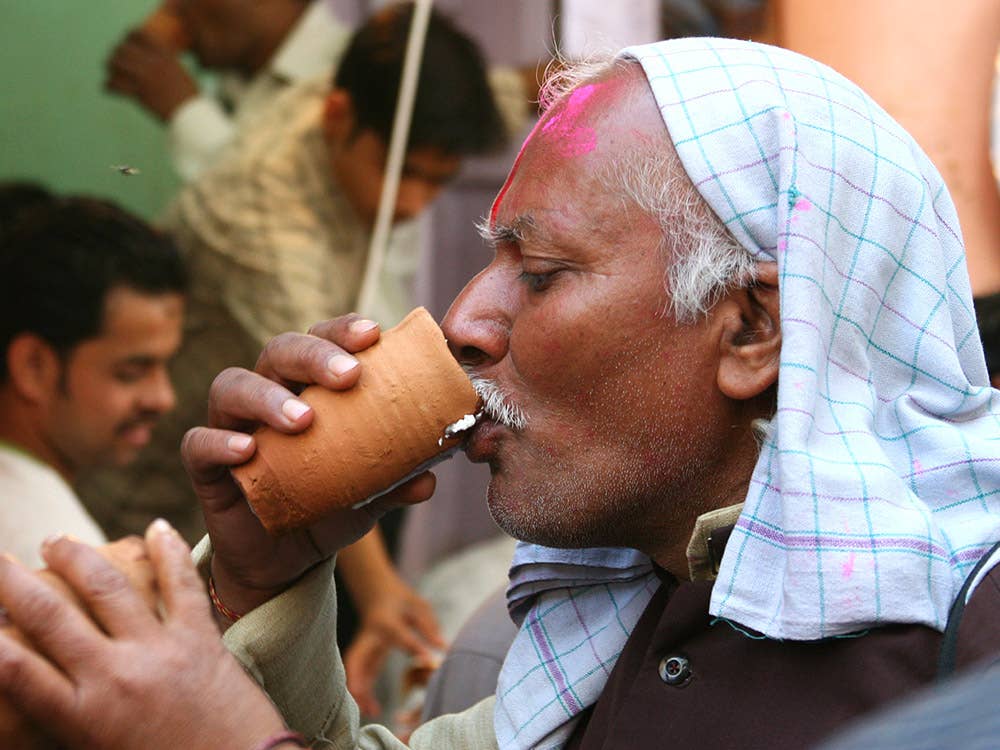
221 608
286 736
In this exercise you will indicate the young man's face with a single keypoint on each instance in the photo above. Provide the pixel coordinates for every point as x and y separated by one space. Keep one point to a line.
115 385
359 162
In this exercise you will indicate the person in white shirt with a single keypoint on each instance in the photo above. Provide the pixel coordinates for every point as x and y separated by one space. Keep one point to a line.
91 307
258 49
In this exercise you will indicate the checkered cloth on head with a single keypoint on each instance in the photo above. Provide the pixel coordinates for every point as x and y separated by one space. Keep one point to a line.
878 487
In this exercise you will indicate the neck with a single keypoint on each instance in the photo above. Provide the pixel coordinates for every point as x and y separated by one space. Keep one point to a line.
19 429
276 26
717 485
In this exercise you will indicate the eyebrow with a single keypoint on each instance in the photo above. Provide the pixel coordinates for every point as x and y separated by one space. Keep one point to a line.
435 178
513 233
137 360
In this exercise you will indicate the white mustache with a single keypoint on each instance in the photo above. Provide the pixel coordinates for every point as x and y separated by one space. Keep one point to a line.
496 405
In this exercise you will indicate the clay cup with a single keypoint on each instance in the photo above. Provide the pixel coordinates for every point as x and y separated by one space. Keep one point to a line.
367 439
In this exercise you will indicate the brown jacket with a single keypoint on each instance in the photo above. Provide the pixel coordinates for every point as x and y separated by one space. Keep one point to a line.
727 688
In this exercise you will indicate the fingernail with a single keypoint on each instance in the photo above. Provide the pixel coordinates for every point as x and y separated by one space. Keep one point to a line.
160 526
362 326
341 364
51 539
239 443
293 409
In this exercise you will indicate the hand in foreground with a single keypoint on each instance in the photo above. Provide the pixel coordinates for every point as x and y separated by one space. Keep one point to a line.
395 617
128 678
249 565
150 73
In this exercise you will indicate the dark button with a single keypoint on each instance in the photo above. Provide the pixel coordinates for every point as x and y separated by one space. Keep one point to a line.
675 670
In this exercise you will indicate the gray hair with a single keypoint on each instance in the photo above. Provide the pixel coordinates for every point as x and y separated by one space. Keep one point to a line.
703 260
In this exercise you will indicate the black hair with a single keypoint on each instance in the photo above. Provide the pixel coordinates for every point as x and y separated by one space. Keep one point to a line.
18 197
60 260
454 109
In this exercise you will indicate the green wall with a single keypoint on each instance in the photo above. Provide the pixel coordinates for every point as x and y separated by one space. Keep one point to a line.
57 125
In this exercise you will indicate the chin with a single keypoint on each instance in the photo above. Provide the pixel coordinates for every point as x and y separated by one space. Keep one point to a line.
550 521
123 457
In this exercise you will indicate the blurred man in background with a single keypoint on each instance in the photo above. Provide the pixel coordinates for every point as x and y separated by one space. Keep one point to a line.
91 307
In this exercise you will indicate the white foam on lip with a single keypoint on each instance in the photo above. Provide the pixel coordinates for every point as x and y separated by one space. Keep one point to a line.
460 425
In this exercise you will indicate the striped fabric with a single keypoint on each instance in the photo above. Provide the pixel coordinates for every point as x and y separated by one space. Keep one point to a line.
879 486
575 609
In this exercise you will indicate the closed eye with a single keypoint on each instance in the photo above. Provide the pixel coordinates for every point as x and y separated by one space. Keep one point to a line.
537 282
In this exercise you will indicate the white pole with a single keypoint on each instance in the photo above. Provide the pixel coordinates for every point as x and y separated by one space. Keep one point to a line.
397 154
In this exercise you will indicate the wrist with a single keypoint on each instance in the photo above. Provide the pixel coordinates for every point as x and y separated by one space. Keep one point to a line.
389 591
168 109
231 598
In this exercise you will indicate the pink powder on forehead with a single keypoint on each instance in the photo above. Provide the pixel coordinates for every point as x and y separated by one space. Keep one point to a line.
570 111
571 140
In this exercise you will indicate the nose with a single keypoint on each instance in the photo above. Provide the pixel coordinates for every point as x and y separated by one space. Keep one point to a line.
413 197
159 397
478 323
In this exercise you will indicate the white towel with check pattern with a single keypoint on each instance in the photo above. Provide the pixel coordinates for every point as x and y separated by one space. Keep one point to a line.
575 608
878 488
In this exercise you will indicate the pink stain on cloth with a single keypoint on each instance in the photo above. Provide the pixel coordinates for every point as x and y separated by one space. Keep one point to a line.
847 567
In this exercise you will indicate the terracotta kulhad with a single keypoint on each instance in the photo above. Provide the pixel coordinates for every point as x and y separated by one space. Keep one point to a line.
366 439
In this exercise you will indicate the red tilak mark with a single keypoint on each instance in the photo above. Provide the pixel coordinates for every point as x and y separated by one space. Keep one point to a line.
571 109
510 176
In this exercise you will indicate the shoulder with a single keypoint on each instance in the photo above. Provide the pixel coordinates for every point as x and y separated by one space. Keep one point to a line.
284 136
270 167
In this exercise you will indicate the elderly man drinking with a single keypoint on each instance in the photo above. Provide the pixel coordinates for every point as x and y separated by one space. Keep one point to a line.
729 321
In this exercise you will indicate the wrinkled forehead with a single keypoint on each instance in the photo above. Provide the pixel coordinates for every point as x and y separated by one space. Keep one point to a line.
586 123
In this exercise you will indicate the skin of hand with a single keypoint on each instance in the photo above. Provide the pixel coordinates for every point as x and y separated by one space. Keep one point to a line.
393 615
249 565
150 73
128 677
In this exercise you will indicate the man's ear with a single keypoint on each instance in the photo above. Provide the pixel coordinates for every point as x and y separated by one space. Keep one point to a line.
750 342
338 116
33 367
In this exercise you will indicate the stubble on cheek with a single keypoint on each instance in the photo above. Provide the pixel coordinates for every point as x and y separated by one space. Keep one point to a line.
569 494
618 474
